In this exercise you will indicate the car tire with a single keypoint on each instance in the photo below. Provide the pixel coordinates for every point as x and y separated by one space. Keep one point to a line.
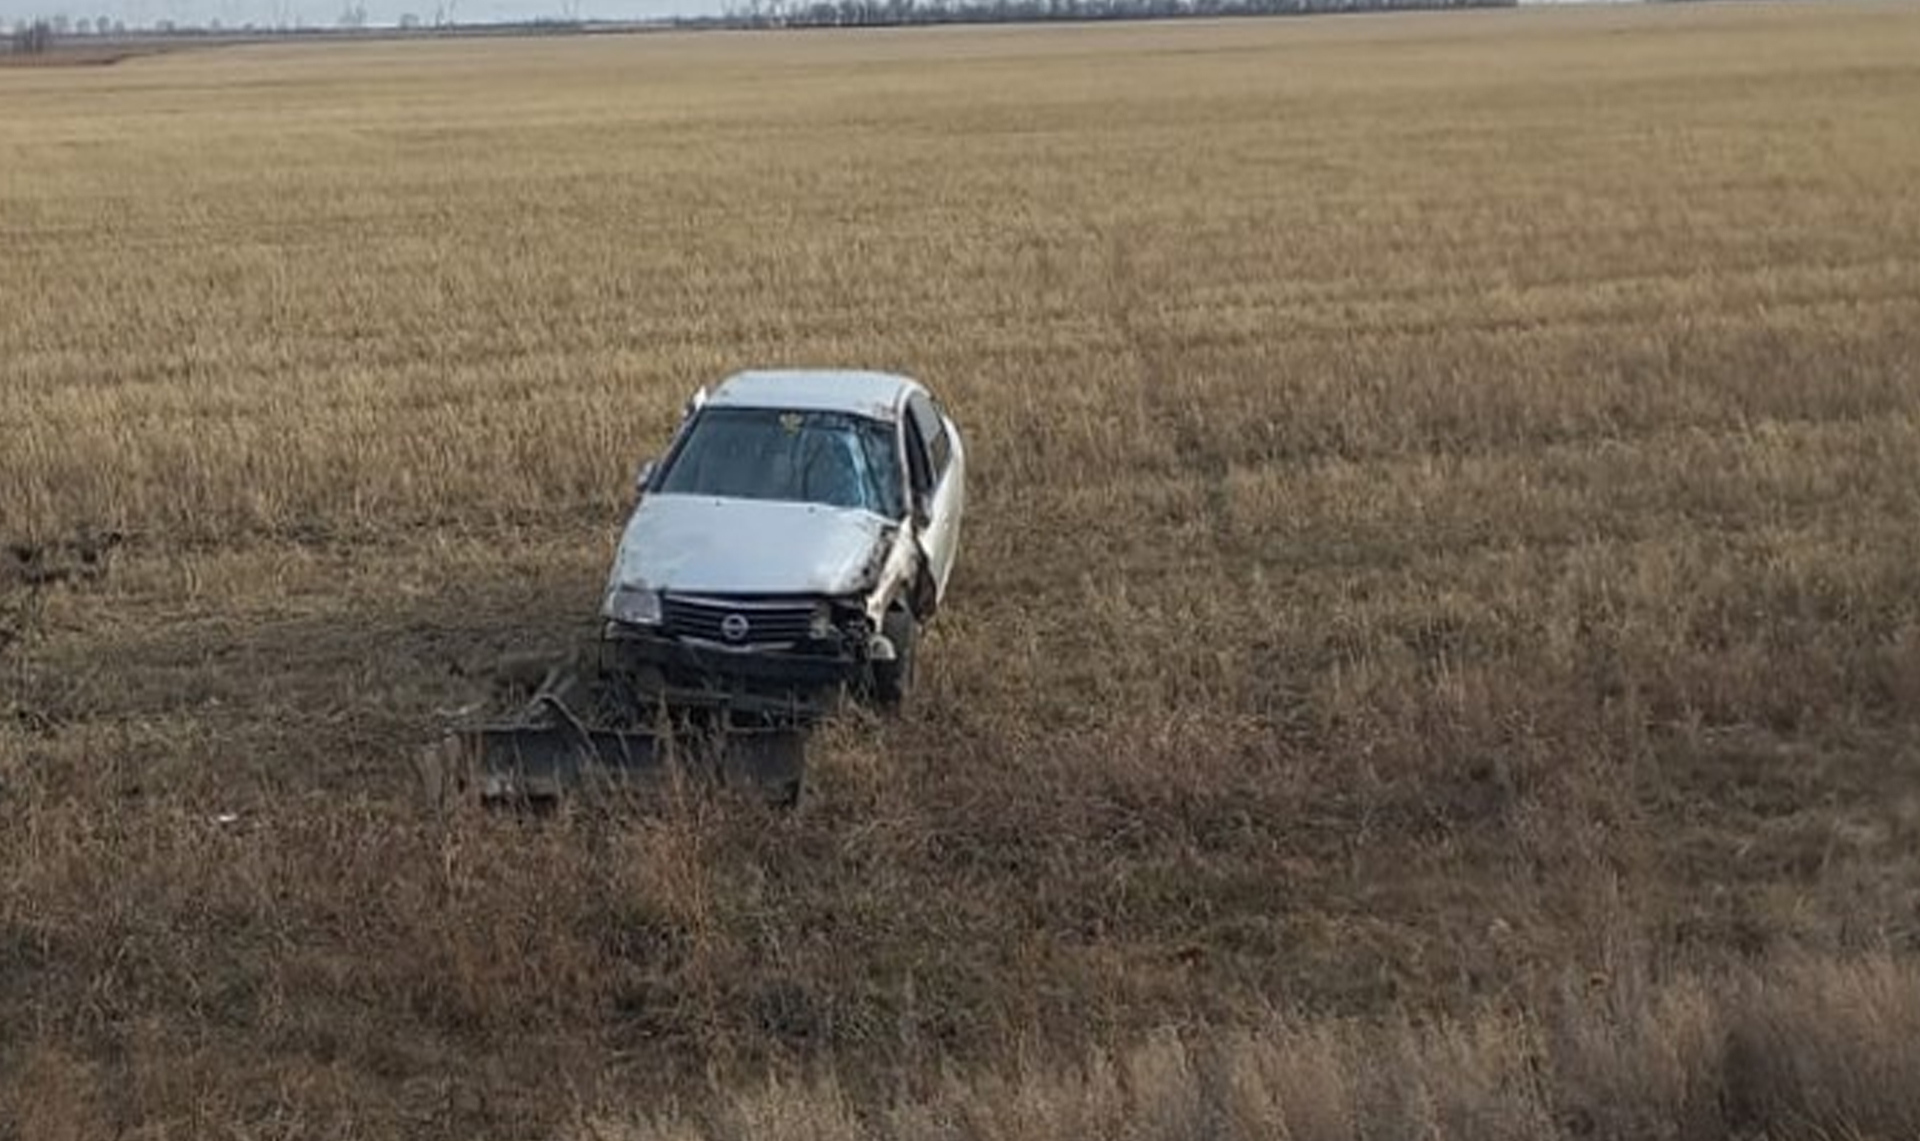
893 680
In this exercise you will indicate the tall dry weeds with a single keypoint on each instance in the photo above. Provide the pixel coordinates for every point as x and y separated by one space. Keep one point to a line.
1791 1051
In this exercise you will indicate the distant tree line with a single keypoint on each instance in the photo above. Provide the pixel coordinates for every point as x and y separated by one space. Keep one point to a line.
33 38
37 37
891 13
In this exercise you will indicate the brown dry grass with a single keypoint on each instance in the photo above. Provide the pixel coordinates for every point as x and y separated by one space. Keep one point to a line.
1444 540
1809 1051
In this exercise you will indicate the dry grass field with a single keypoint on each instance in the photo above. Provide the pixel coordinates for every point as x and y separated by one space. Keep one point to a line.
1436 653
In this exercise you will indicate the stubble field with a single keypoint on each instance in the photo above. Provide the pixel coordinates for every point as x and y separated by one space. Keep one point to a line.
1435 652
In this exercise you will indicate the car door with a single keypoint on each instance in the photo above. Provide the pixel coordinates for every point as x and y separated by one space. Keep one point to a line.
938 468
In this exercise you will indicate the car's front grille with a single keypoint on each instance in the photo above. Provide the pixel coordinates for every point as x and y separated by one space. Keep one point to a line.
737 621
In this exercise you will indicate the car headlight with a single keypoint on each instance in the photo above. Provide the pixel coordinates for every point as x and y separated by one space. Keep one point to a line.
635 607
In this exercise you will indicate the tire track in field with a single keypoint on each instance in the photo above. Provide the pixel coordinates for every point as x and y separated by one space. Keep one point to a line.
1156 350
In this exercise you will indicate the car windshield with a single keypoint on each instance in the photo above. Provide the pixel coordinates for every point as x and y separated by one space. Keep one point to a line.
830 458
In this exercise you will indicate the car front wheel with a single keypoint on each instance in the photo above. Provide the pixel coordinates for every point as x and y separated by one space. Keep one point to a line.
892 680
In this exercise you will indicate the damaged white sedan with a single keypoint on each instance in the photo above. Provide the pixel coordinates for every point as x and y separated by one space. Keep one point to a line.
788 549
793 541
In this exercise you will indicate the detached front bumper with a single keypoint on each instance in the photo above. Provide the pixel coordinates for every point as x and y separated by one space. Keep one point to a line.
541 760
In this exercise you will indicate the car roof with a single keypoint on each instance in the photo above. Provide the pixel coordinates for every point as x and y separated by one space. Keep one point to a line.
874 394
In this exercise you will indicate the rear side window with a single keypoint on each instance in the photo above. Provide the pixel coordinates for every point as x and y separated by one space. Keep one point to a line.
932 430
917 470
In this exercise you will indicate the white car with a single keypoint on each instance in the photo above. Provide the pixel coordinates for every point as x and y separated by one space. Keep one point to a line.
795 538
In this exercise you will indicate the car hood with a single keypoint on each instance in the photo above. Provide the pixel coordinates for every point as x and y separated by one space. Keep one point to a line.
696 544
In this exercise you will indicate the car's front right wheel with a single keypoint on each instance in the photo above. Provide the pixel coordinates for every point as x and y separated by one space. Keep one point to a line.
893 680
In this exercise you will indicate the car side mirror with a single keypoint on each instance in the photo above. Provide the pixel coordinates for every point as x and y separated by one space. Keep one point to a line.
922 509
643 477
